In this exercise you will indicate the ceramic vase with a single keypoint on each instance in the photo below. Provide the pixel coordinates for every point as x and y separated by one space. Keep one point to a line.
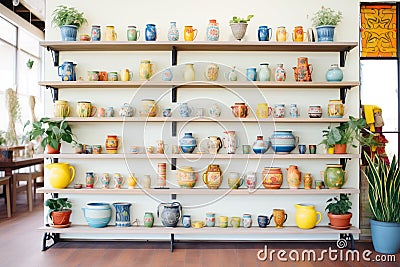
334 74
212 30
264 74
187 143
122 214
170 214
230 142
188 73
272 177
293 177
173 33
283 142
280 73
212 177
260 146
148 219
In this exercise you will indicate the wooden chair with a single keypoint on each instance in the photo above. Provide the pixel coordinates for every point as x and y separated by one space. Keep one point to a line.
6 182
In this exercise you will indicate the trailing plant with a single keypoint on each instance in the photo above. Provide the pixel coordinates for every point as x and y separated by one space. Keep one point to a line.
64 15
339 206
326 16
384 188
241 20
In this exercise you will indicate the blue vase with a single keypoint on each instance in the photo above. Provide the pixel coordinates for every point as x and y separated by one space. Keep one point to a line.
68 32
122 214
151 32
334 74
283 142
187 143
325 33
385 236
264 33
251 74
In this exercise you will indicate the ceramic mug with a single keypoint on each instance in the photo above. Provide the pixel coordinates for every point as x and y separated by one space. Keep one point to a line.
105 180
97 149
132 34
61 109
125 75
91 179
109 112
235 222
223 221
111 35
210 219
103 76
189 34
85 109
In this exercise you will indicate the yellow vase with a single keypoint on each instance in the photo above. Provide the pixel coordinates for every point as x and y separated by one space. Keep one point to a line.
132 181
60 174
262 110
306 216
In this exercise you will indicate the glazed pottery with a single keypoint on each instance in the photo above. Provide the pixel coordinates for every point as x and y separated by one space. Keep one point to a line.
314 111
223 221
173 33
148 219
93 75
262 111
96 149
68 32
385 236
212 31
240 110
281 34
184 110
235 222
280 73
188 73
149 108
211 72
279 216
186 177
251 74
105 180
264 33
118 180
186 221
132 34
167 112
170 214
272 177
298 34
215 144
334 176
234 180
145 70
187 143
238 30
96 33
263 221
293 177
334 74
214 111
97 214
91 179
247 220
84 37
61 109
302 73
147 181
231 75
198 224
111 34
112 144
162 175
246 149
230 142
283 142
160 147
150 32
103 76
60 175
294 111
122 214
212 177
125 75
335 108
67 71
308 180
325 33
112 76
210 219
279 111
340 149
251 180
85 109
166 74
132 181
264 74
306 216
260 146
109 112
189 34
126 110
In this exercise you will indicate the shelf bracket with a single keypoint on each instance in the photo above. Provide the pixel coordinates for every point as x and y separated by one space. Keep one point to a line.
348 237
55 55
174 128
54 92
343 56
173 196
343 162
47 237
174 94
174 58
343 93
173 164
172 242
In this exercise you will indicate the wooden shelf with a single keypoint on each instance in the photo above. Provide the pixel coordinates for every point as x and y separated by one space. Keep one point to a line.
204 119
198 191
196 84
270 230
199 46
199 156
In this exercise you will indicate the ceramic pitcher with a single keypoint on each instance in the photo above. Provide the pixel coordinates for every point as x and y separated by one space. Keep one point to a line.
211 72
122 214
215 144
61 108
302 73
306 216
230 142
60 174
212 177
170 214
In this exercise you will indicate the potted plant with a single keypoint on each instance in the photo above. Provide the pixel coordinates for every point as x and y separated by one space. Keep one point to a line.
59 211
330 137
239 26
384 202
325 20
338 212
6 154
52 133
69 19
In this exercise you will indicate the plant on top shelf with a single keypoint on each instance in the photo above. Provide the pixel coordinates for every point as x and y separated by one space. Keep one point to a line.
339 211
59 210
52 133
69 19
325 20
239 26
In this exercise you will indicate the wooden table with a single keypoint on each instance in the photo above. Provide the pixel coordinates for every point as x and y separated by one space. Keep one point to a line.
15 164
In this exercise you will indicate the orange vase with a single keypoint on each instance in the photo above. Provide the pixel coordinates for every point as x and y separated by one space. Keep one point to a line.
112 144
293 177
272 177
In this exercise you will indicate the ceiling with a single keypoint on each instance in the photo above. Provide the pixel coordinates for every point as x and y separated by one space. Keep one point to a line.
28 11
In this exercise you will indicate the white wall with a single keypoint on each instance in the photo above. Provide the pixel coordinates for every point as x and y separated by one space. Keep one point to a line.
289 13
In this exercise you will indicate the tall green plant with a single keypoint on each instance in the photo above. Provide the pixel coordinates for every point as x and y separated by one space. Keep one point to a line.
64 15
384 189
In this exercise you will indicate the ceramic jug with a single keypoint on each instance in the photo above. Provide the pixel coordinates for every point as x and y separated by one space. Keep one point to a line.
145 70
212 177
67 71
170 214
334 176
260 146
280 217
264 33
293 177
132 33
111 34
189 34
149 108
230 142
211 72
60 174
132 181
240 110
234 180
216 144
302 73
122 214
306 216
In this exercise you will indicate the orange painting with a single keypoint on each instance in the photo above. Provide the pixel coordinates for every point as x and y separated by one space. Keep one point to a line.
378 31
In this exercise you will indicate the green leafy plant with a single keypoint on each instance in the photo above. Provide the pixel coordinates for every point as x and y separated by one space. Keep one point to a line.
326 16
3 138
384 188
57 204
339 206
52 132
64 15
241 20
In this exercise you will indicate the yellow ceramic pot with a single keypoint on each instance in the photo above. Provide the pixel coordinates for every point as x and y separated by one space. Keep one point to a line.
186 177
132 181
306 216
60 174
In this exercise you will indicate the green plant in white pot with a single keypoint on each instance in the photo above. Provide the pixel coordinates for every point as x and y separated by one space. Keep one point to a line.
69 19
325 20
384 203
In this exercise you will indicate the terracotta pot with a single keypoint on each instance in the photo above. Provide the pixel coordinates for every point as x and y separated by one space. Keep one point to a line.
340 148
51 150
340 221
61 217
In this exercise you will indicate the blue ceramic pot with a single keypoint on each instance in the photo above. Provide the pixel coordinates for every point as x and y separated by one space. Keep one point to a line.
283 141
187 143
122 214
151 32
385 236
325 33
97 215
334 74
68 32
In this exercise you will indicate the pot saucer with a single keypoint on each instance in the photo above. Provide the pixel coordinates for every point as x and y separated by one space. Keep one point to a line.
62 225
339 227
